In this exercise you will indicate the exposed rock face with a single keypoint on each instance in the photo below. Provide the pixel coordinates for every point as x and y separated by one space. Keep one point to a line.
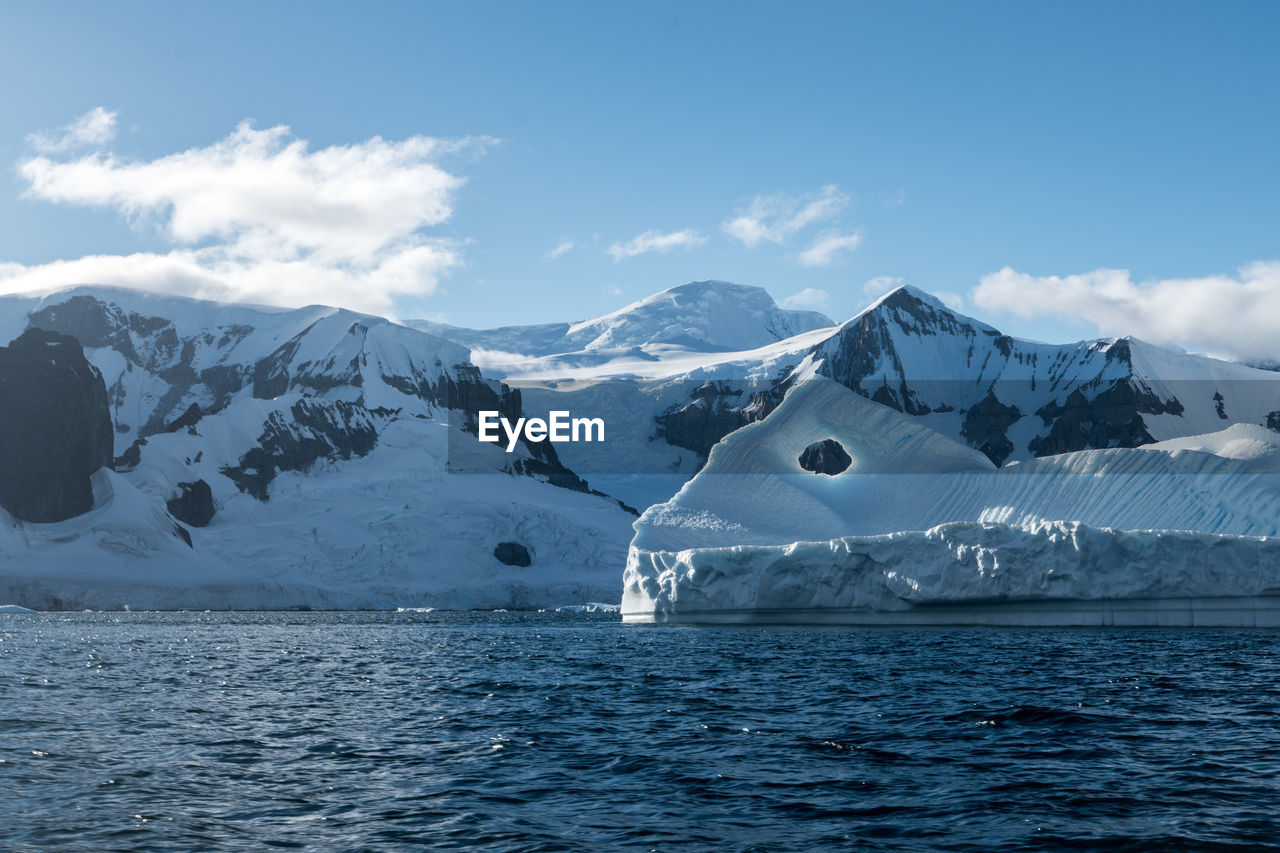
152 344
910 353
189 418
512 553
55 430
712 413
1111 419
985 427
714 410
194 505
868 346
316 430
342 365
825 457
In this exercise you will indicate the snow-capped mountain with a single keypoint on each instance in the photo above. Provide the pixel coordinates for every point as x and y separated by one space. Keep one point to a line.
1013 399
1016 399
701 316
312 445
322 457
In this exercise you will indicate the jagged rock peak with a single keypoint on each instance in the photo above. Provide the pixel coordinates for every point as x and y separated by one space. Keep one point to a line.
920 312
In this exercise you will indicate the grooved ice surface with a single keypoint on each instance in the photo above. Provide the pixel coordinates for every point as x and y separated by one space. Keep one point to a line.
919 518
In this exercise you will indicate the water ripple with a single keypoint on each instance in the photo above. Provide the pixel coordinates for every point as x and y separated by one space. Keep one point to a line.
401 731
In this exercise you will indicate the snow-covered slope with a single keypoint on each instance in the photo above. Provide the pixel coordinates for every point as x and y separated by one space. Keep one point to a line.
1017 399
1009 398
701 316
1012 399
919 519
311 449
323 448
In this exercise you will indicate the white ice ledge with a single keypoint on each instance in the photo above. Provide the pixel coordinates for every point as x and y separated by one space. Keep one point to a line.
1058 573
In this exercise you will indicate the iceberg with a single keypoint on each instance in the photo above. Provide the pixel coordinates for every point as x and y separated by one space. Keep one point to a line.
590 607
920 529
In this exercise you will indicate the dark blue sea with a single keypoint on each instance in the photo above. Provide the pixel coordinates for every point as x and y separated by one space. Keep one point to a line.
403 731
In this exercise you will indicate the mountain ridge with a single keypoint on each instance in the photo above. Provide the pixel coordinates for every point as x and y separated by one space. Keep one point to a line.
703 316
335 452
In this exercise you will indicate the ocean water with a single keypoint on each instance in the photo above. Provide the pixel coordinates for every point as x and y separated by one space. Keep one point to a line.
399 731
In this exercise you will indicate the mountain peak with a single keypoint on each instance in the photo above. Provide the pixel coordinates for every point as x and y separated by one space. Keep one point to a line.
917 311
699 315
907 294
715 286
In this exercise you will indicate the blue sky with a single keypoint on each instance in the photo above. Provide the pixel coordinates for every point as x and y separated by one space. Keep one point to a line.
854 144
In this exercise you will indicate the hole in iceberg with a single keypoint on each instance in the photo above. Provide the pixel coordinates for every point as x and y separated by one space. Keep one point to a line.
825 457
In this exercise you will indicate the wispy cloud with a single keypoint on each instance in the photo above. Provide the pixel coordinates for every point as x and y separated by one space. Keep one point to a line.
774 218
828 248
656 241
260 216
91 130
1224 314
813 298
880 285
898 199
561 248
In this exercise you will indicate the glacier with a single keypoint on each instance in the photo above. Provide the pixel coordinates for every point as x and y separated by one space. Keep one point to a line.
923 529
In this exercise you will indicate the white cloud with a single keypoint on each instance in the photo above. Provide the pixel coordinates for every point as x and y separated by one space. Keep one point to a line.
954 301
562 247
258 216
811 297
880 285
898 199
93 129
828 248
215 273
655 241
1232 315
776 217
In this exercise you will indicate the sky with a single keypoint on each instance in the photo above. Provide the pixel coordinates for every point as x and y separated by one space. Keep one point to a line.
1058 170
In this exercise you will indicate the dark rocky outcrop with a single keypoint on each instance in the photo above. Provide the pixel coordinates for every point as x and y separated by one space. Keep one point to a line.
55 427
314 430
95 324
469 393
1113 418
712 412
512 553
151 344
132 456
864 348
826 457
189 418
715 409
194 504
985 427
902 399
